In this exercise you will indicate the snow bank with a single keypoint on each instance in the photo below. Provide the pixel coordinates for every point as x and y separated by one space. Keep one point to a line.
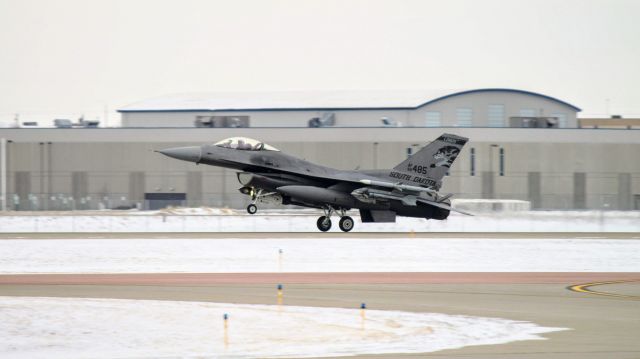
491 205
215 220
318 255
109 328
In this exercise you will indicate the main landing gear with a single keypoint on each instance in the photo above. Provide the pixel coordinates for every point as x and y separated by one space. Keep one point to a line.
324 222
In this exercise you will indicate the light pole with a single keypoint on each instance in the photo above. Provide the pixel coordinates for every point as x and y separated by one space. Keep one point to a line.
491 176
3 173
375 155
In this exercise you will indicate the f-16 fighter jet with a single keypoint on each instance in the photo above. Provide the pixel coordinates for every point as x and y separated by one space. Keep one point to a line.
269 176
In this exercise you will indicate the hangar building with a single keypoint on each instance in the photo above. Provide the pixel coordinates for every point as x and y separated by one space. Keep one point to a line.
491 107
523 145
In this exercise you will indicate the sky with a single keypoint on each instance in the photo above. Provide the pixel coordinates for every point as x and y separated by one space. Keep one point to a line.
64 58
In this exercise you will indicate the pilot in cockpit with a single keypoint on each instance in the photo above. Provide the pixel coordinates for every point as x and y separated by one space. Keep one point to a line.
246 144
243 146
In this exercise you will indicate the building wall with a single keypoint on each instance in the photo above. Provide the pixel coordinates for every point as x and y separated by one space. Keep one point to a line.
343 118
555 169
477 102
161 119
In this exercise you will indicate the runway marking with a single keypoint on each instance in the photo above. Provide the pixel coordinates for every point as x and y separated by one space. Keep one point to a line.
585 288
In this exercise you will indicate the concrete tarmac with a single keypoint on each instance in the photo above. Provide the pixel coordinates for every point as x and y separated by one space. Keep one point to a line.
600 326
603 318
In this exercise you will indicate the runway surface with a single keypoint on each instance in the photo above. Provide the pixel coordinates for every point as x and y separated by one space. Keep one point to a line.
203 279
601 309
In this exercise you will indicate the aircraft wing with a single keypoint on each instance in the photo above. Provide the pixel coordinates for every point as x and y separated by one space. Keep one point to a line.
408 194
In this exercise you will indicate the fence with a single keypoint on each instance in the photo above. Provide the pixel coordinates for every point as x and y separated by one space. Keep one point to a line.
526 221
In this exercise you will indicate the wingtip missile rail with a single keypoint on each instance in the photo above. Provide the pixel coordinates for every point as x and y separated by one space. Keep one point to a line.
398 186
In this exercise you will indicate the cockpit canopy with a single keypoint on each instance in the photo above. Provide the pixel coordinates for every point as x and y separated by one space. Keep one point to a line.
245 143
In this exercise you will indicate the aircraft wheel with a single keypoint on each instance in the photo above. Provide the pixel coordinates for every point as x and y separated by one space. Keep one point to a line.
252 209
324 223
346 223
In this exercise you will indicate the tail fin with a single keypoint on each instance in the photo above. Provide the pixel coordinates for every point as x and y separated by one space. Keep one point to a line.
428 166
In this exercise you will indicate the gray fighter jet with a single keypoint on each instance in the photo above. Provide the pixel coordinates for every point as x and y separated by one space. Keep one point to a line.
269 176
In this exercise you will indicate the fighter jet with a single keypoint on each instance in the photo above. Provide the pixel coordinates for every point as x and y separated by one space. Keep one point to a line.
269 176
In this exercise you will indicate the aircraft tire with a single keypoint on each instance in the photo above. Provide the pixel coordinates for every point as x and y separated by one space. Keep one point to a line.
346 223
252 209
324 225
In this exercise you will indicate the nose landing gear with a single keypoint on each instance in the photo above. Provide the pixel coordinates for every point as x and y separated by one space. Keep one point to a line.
252 208
324 222
259 195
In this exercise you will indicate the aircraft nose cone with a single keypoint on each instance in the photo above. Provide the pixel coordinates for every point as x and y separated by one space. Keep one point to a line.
191 153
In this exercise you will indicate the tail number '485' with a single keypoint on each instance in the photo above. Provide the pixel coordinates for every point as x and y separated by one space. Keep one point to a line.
417 169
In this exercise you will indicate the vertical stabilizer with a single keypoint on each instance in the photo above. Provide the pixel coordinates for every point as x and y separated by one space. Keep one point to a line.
428 166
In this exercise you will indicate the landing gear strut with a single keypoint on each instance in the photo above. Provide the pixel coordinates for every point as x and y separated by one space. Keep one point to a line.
255 196
324 222
252 208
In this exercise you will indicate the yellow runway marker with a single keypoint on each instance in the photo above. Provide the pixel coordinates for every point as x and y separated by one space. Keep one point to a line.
585 288
225 317
280 298
280 294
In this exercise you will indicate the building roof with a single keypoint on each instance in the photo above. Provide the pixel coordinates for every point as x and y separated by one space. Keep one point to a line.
460 93
307 100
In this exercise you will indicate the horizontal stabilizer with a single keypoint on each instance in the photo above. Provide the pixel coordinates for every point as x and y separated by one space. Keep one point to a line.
443 206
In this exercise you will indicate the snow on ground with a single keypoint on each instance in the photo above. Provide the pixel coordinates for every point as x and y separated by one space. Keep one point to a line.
225 220
319 255
116 328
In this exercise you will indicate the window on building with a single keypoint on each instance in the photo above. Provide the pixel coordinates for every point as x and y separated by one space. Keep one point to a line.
222 121
562 119
496 116
464 115
527 112
473 161
433 119
501 161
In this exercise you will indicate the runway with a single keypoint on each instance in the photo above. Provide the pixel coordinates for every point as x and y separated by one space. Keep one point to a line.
204 279
600 308
601 327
